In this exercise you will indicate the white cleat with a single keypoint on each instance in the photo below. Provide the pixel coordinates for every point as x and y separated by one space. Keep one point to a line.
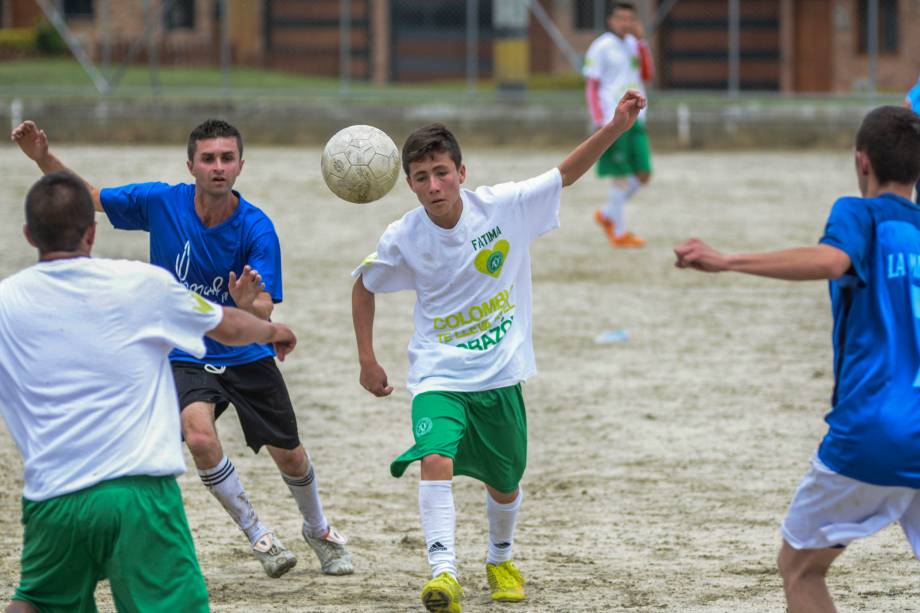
330 549
275 559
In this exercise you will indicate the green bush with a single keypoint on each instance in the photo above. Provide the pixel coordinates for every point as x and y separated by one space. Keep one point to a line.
48 41
17 40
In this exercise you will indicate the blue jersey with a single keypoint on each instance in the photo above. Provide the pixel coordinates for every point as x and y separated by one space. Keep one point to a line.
874 433
201 258
913 97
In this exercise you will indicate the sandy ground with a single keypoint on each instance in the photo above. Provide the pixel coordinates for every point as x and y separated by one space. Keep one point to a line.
659 468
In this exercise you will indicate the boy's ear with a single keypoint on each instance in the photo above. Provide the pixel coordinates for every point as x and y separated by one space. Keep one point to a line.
863 165
28 235
462 172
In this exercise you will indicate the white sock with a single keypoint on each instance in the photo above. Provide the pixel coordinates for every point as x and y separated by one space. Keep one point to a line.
616 199
306 493
224 483
436 506
632 186
502 518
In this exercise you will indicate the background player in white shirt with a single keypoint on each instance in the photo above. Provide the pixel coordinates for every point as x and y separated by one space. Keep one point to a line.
617 61
87 393
466 255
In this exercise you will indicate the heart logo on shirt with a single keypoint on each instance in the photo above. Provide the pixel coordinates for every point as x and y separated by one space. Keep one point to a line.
490 261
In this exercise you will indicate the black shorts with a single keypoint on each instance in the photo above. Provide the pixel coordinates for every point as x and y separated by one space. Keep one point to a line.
257 391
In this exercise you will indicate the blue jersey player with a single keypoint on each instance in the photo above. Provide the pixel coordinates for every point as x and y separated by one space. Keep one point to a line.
224 248
866 473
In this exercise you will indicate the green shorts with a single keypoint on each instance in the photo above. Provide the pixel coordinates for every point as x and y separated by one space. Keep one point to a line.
628 155
484 432
130 530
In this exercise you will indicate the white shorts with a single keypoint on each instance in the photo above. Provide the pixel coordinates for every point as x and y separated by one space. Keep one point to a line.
831 510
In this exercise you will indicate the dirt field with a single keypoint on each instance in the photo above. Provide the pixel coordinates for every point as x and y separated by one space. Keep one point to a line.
659 468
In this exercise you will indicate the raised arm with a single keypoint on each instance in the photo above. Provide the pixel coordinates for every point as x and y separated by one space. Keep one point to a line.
373 378
34 143
237 327
797 264
583 157
248 293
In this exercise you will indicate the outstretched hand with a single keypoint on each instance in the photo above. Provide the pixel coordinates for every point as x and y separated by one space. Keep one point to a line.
32 141
696 254
627 110
245 289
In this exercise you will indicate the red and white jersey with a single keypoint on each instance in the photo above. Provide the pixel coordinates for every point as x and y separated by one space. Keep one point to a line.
615 63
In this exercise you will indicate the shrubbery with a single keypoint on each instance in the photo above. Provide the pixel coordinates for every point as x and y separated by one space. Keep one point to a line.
48 41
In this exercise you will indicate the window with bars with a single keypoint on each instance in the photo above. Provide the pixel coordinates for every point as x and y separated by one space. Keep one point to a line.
78 8
583 14
181 15
887 30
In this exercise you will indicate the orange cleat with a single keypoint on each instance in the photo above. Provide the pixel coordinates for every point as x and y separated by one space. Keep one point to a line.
627 240
606 225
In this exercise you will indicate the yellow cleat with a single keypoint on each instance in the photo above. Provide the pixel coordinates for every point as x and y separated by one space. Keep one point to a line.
505 581
442 594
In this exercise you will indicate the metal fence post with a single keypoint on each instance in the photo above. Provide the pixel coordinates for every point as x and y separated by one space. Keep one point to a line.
344 46
734 47
600 16
872 43
106 26
152 57
472 45
225 46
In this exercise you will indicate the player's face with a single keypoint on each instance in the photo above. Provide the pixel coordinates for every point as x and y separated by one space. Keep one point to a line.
622 22
216 165
436 182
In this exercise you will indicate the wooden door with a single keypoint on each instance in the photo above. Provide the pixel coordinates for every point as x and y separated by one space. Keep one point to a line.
812 59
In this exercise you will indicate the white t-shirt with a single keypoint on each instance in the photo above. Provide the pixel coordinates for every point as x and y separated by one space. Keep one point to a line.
472 284
85 384
614 61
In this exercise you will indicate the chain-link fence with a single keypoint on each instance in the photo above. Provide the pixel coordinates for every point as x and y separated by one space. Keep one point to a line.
326 62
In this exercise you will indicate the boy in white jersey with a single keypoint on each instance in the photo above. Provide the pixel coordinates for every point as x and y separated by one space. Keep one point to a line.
617 61
466 255
866 472
87 393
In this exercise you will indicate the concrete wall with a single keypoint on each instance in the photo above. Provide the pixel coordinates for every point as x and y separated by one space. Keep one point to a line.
734 126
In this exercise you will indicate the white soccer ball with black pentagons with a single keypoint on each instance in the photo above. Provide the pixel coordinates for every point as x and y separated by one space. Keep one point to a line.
360 164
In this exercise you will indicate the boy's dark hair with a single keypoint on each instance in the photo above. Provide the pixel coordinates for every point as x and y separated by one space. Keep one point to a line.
426 141
59 211
213 128
890 137
612 7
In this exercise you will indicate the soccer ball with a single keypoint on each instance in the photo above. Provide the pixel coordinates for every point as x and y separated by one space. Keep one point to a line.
360 164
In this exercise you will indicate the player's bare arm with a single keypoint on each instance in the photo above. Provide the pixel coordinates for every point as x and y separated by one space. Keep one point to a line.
248 293
237 327
373 377
34 143
583 157
797 264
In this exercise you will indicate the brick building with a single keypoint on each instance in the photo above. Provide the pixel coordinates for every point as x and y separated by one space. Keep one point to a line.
785 45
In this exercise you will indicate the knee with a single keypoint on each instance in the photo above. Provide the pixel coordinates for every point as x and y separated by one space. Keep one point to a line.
437 467
202 443
292 461
796 567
